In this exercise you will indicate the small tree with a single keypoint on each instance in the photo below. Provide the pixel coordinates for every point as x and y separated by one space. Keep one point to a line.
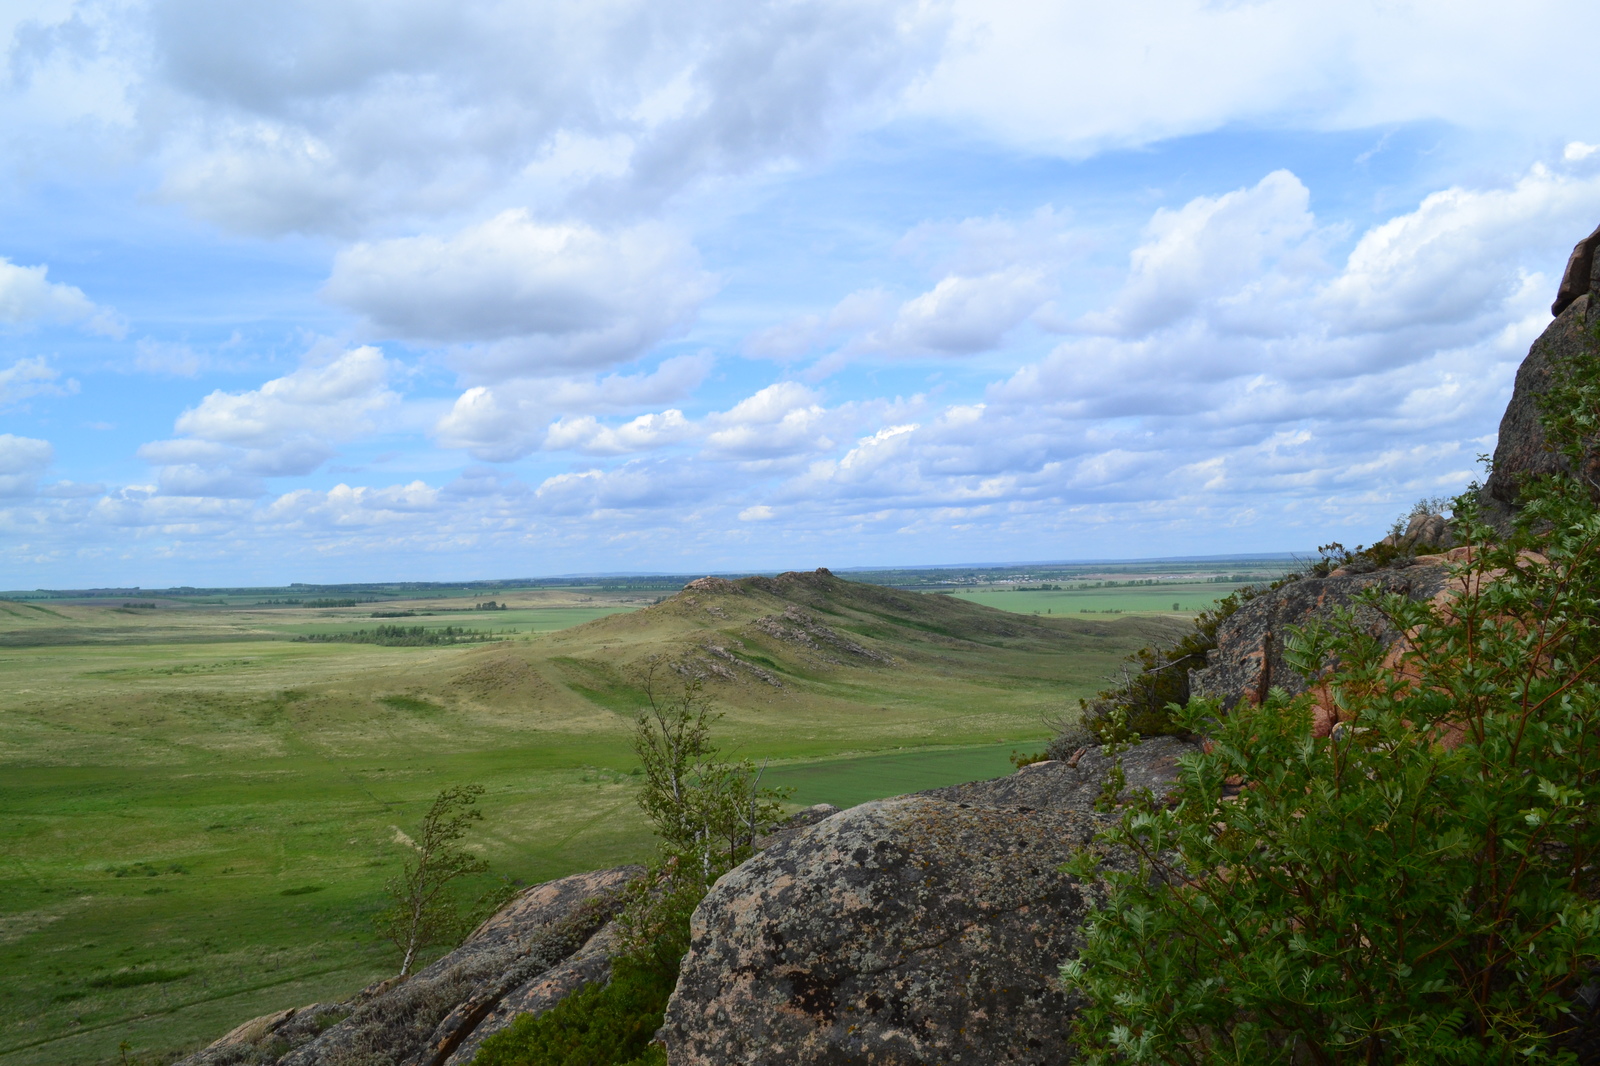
707 809
423 911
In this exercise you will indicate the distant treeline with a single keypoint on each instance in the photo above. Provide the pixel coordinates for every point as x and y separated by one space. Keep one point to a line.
402 636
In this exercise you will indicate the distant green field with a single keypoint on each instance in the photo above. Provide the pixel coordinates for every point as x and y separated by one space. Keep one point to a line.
1189 598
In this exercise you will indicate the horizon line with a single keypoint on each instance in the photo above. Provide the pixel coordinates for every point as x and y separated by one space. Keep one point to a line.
689 575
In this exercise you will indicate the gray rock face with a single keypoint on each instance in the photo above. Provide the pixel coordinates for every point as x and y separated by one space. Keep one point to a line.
1579 277
796 822
1521 452
917 930
1425 532
590 963
550 940
1248 659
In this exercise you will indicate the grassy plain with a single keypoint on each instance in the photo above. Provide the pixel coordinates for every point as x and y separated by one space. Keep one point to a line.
197 814
1159 598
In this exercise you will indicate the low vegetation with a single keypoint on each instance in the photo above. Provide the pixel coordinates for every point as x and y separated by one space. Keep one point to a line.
424 908
1149 683
1397 866
402 636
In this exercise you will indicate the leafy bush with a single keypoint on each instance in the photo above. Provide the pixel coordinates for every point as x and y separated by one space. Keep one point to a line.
707 809
1416 884
1152 681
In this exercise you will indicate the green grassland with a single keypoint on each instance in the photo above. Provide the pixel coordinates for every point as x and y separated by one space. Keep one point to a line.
198 813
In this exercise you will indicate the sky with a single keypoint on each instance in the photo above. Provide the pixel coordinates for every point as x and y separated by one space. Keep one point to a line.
363 290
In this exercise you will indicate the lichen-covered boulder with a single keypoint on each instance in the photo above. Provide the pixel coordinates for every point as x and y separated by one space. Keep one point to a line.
917 930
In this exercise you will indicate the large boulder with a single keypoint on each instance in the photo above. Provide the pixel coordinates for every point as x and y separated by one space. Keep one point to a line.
1522 451
916 930
1248 660
548 941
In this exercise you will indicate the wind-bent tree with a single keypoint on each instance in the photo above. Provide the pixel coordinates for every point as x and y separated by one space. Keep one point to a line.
423 911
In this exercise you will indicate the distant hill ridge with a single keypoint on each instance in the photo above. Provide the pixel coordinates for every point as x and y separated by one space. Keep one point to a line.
773 632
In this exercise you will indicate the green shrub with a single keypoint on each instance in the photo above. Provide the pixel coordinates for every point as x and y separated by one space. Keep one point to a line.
1153 680
1420 886
598 1025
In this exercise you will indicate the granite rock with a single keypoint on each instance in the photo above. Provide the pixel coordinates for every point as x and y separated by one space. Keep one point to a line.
1075 783
916 930
1522 452
549 940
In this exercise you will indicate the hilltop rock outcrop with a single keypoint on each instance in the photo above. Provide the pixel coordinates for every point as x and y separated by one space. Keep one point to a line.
917 930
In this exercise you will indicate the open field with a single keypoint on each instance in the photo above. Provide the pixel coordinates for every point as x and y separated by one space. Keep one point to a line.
198 813
851 779
1171 597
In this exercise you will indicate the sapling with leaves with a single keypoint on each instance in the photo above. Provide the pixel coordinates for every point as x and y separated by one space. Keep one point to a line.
707 809
424 909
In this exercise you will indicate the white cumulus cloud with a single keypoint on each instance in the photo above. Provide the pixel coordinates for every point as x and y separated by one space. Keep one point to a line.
287 427
511 419
325 400
780 420
32 377
965 315
27 296
22 459
587 435
525 298
343 115
1076 78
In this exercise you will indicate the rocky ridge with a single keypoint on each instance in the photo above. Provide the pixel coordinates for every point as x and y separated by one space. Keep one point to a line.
1249 660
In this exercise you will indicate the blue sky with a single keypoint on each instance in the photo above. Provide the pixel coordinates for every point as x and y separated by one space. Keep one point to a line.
360 290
